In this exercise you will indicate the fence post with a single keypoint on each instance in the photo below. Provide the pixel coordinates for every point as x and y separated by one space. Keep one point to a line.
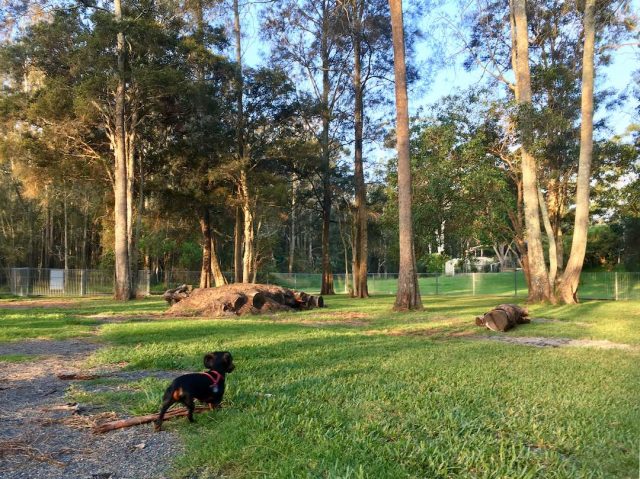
473 284
616 285
515 281
83 282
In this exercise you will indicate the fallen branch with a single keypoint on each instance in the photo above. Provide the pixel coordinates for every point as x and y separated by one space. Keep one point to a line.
137 420
77 377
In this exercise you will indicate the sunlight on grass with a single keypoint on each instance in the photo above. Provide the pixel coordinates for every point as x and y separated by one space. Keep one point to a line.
356 390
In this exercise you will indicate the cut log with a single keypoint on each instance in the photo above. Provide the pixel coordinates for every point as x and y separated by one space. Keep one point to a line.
232 302
175 295
137 420
503 317
255 298
316 302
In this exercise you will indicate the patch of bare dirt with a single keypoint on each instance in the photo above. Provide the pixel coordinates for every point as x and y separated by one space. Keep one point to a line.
114 318
440 333
542 342
324 324
43 437
34 303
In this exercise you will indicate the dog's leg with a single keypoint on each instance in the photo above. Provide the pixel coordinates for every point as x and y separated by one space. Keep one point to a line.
191 406
167 401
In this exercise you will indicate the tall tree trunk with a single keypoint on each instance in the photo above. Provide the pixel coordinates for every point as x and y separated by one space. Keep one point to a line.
327 275
66 234
123 275
131 230
553 254
237 247
85 227
292 233
216 270
360 254
248 233
241 275
205 228
539 287
569 285
408 297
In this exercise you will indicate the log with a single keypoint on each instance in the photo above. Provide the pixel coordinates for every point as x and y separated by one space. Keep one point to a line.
232 302
503 317
137 420
175 295
316 302
255 298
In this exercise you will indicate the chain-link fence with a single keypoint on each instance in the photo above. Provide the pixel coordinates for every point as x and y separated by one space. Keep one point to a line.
601 285
70 282
58 282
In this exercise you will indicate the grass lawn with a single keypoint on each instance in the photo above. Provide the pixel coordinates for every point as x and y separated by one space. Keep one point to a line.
356 390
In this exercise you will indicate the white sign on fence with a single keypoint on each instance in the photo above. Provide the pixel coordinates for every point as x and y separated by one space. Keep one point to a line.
56 280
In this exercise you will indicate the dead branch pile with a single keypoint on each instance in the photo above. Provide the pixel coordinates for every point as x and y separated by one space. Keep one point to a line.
242 298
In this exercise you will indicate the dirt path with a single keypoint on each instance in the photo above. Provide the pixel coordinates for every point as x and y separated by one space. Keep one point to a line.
542 342
41 438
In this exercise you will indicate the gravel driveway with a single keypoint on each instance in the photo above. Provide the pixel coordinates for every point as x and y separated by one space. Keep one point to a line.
42 437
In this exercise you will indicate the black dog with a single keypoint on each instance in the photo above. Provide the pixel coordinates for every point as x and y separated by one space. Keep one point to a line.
206 387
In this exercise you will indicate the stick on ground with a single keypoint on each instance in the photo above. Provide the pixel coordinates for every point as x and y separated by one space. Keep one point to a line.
137 420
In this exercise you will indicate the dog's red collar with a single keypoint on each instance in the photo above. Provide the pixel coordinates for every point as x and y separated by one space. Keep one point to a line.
215 380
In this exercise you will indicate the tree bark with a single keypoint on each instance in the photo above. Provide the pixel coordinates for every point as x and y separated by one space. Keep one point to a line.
292 233
123 275
131 231
66 234
248 233
242 260
237 248
205 228
539 287
553 254
408 297
569 285
327 275
360 257
216 270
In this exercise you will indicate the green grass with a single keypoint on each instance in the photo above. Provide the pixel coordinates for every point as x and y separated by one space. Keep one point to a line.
598 285
356 390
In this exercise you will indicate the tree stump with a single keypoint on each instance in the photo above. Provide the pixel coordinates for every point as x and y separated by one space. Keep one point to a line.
503 317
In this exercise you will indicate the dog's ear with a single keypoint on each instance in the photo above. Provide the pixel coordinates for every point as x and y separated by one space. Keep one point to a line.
209 360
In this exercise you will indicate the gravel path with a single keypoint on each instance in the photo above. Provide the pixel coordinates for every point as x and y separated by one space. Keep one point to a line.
542 342
41 437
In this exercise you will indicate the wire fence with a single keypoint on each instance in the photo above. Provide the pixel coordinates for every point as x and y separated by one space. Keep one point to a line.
601 285
61 282
58 282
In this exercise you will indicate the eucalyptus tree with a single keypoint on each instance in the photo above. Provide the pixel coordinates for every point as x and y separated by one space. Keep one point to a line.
548 128
367 26
307 39
408 296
